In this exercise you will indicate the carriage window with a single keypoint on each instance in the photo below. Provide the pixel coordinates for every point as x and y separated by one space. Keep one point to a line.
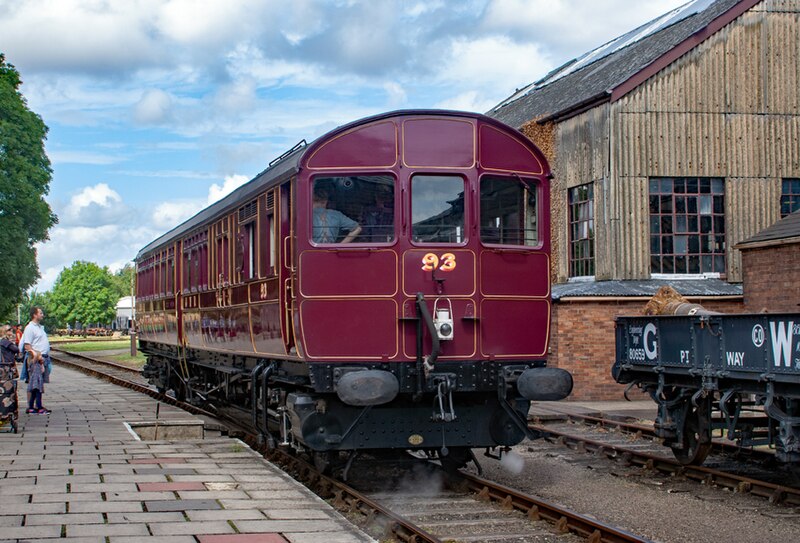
509 212
356 208
437 209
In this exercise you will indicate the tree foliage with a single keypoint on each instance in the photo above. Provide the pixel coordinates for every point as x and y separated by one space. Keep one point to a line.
25 174
84 293
123 281
38 299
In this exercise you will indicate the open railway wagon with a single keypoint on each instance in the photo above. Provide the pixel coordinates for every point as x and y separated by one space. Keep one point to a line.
738 373
386 287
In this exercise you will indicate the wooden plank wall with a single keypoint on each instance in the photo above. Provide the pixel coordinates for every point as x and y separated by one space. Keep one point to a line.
730 108
582 157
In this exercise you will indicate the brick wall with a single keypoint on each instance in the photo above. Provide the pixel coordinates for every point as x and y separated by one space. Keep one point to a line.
771 278
582 341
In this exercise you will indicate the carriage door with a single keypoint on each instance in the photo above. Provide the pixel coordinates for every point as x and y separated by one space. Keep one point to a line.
287 265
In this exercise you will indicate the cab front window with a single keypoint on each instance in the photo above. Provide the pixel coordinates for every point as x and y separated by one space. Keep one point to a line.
437 209
509 211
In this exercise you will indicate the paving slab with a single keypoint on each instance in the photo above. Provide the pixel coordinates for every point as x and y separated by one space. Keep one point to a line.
81 475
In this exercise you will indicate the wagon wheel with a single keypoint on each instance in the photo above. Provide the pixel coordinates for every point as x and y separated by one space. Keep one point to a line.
696 437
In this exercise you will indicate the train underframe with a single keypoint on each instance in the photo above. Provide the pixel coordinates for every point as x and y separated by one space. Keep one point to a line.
324 409
689 411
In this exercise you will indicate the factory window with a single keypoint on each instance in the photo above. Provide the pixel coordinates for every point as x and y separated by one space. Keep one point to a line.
508 211
437 209
790 196
687 225
581 230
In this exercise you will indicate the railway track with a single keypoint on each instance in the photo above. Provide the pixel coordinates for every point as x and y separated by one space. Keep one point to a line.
646 431
509 515
652 456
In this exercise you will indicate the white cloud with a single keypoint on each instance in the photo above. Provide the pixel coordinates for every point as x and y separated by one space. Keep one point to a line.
467 101
168 215
100 194
396 95
94 206
110 243
491 64
207 23
236 98
88 36
231 183
569 28
155 107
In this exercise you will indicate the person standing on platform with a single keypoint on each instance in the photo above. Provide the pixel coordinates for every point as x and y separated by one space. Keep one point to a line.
9 349
37 350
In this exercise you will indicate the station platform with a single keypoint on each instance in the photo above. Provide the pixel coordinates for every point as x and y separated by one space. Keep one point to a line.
83 474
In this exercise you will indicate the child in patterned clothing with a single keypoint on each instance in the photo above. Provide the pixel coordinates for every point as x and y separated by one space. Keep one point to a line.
36 371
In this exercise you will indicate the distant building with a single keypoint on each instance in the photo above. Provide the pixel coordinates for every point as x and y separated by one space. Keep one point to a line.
669 145
124 313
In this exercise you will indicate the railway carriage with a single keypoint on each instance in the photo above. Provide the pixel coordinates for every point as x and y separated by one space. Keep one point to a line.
384 287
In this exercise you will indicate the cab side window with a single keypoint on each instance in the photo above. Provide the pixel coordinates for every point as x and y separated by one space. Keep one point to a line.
353 209
509 211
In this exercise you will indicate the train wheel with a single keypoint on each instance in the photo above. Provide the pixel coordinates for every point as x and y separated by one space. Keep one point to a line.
456 458
696 437
179 390
324 460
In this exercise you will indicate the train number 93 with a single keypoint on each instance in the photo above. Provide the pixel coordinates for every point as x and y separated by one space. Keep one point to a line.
446 263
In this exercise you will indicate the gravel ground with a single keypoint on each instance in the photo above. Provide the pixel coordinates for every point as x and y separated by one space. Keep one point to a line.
661 508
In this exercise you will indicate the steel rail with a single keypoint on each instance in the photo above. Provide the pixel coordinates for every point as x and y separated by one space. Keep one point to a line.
776 494
647 431
82 356
564 520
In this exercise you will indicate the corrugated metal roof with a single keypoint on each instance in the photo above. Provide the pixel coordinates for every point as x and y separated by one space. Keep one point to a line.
592 77
786 228
624 289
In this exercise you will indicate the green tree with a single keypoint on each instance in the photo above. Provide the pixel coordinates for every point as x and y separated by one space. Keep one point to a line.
123 281
84 293
25 174
39 299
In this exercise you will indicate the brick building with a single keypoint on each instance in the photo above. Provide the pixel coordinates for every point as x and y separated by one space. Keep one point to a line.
771 265
670 145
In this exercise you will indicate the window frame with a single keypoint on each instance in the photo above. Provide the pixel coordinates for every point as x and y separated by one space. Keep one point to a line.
533 185
790 198
590 262
396 207
467 204
692 232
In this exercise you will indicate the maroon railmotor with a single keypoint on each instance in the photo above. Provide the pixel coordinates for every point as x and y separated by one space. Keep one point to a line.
385 287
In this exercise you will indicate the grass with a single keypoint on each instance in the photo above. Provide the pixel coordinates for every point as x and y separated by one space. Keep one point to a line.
128 360
99 345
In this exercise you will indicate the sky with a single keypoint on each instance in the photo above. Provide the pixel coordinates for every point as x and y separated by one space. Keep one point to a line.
158 108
